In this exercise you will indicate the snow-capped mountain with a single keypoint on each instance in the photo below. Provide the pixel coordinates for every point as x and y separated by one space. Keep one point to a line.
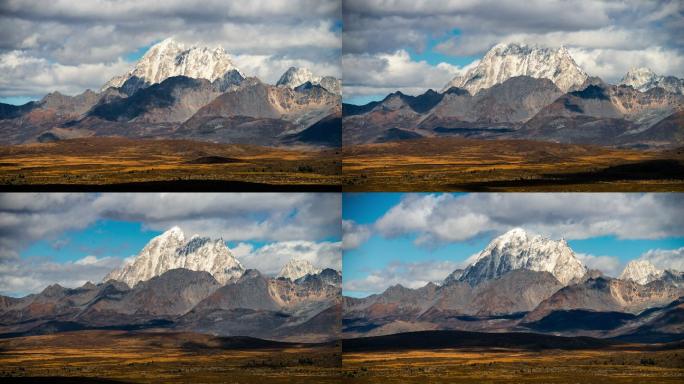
504 61
641 271
170 58
170 250
643 79
295 76
516 249
296 268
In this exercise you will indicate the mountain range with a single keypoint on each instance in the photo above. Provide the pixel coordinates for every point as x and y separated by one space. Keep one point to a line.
193 284
520 92
526 283
182 92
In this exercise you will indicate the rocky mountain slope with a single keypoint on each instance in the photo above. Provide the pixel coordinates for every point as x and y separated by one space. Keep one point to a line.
173 100
606 294
170 250
524 108
259 113
603 114
504 61
490 113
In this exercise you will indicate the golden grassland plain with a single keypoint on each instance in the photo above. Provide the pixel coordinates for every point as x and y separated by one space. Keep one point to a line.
162 357
514 366
456 164
102 161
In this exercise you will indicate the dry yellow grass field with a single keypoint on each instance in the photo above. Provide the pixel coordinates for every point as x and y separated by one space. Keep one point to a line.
455 164
514 366
163 357
109 161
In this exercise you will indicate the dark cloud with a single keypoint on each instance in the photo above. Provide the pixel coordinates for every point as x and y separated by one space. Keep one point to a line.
436 219
25 218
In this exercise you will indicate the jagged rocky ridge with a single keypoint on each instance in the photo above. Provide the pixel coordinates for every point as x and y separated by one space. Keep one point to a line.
296 76
519 92
521 282
254 305
644 79
164 97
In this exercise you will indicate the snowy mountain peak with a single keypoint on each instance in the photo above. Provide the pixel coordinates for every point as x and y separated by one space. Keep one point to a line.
643 79
517 249
504 61
170 58
296 76
174 231
168 44
296 268
641 271
515 234
170 251
640 73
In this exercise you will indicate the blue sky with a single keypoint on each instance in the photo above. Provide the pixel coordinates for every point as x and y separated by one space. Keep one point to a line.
130 57
90 252
394 252
16 100
112 238
108 238
427 53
